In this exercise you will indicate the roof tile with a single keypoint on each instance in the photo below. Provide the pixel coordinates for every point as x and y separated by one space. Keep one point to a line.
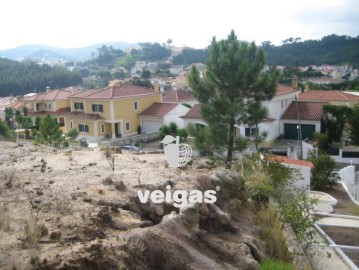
329 95
194 112
158 109
308 110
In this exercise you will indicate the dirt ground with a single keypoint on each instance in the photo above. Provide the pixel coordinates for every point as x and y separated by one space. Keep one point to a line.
58 205
345 205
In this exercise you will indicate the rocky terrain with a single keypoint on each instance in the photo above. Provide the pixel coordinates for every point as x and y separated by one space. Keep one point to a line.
77 209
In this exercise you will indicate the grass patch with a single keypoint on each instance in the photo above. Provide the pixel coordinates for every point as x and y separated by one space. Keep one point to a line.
276 265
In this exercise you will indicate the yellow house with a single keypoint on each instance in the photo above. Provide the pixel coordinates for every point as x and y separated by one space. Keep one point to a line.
53 102
111 112
97 113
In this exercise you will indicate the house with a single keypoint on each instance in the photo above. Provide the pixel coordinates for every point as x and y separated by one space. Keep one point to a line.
97 113
159 114
284 96
334 97
6 102
176 69
117 109
310 116
179 97
53 102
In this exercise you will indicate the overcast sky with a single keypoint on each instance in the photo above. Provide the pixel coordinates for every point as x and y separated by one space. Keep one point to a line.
78 23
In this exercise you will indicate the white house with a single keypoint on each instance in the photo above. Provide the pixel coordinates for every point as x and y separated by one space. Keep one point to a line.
284 96
159 114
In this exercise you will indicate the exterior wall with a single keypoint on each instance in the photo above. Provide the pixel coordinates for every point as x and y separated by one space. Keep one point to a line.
175 114
79 100
303 122
273 129
76 123
302 180
106 107
306 147
347 175
65 103
124 111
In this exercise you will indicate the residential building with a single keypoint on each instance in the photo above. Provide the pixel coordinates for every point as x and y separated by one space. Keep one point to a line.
308 113
276 107
179 97
176 69
334 97
159 114
111 112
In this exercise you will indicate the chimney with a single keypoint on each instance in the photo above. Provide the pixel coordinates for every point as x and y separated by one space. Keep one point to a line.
156 86
47 88
295 82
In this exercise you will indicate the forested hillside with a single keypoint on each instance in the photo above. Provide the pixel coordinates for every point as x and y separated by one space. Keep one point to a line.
332 50
18 78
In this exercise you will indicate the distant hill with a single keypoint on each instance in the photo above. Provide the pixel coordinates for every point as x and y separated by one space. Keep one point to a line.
332 49
68 54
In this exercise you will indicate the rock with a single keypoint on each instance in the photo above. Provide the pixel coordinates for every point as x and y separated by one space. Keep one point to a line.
217 213
39 193
107 181
146 223
106 218
256 253
205 164
119 185
51 182
55 235
190 216
87 199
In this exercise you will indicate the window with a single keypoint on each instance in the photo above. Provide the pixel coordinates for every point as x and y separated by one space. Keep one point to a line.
79 106
127 126
49 106
97 107
286 104
71 124
282 104
250 131
45 106
135 105
83 128
102 128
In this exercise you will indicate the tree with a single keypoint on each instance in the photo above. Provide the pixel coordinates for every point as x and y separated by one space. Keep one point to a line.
323 175
73 133
9 114
5 131
353 120
256 113
50 131
233 80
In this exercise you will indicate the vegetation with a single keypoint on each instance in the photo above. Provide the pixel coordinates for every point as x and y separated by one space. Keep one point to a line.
332 49
173 130
5 131
276 265
50 131
18 78
323 176
73 133
233 80
189 56
353 120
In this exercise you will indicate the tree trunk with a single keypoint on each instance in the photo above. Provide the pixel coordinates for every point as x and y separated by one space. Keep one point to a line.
230 140
257 137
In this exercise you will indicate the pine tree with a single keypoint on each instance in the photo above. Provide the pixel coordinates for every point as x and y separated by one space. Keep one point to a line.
50 131
234 79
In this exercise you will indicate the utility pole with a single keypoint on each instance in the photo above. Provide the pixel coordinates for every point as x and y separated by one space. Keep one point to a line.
299 128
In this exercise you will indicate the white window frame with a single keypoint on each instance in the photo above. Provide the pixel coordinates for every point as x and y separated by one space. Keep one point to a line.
79 109
85 125
135 105
96 106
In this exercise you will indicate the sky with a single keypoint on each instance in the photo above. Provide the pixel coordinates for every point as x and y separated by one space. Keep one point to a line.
193 23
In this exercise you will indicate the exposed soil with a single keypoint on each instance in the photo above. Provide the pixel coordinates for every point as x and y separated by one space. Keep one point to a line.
345 205
63 209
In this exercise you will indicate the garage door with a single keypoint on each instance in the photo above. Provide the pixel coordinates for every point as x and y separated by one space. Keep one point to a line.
149 126
291 131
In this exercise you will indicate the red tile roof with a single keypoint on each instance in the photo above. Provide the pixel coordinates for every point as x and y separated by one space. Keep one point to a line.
176 96
290 161
52 95
118 91
158 109
85 93
66 112
15 105
329 95
194 112
308 110
283 89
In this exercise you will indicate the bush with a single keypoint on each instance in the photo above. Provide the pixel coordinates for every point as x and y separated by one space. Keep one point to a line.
73 133
182 133
5 131
323 176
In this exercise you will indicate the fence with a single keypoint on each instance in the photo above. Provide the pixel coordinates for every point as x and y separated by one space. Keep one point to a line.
135 139
351 180
334 257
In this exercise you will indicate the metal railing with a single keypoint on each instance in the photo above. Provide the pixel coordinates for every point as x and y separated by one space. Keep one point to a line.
135 139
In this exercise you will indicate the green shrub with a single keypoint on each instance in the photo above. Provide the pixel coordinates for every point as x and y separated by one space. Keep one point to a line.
73 133
270 264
